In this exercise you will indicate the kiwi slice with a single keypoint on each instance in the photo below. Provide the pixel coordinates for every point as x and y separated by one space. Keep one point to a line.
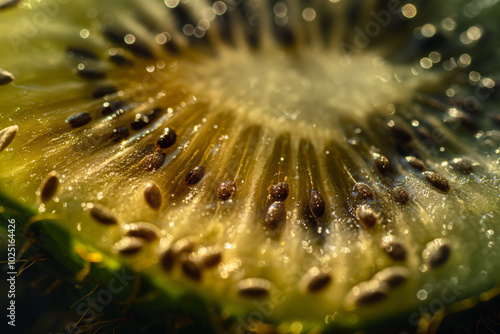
306 165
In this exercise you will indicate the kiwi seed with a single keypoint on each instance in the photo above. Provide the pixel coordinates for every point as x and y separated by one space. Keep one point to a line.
275 216
120 133
279 191
393 276
191 270
138 48
401 195
78 120
4 4
462 165
382 163
139 121
496 119
89 73
102 91
416 163
167 138
254 287
167 259
366 216
80 52
195 175
112 107
154 161
120 60
178 252
316 204
458 118
394 249
184 245
5 77
48 187
153 196
7 135
366 293
315 280
436 252
362 191
142 230
226 190
401 133
437 180
208 257
467 105
128 246
101 214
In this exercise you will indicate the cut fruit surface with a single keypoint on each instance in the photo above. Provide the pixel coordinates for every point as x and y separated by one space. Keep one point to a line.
330 165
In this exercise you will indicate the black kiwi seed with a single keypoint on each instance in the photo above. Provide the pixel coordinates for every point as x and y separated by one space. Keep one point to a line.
4 4
143 119
462 165
455 116
167 138
138 48
5 77
90 73
253 287
111 107
496 119
101 214
383 164
367 293
226 190
128 246
195 175
102 91
437 180
436 253
79 52
416 163
315 280
401 195
120 133
153 196
393 276
154 161
424 134
275 216
362 191
209 257
7 135
279 191
78 120
48 187
139 122
184 245
401 133
366 216
316 204
191 270
394 249
120 60
167 259
146 231
467 105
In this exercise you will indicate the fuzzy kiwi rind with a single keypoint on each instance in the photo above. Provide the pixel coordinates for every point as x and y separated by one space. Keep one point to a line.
305 146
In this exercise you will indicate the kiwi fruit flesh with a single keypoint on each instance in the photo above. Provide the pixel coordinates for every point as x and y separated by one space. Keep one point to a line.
327 165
